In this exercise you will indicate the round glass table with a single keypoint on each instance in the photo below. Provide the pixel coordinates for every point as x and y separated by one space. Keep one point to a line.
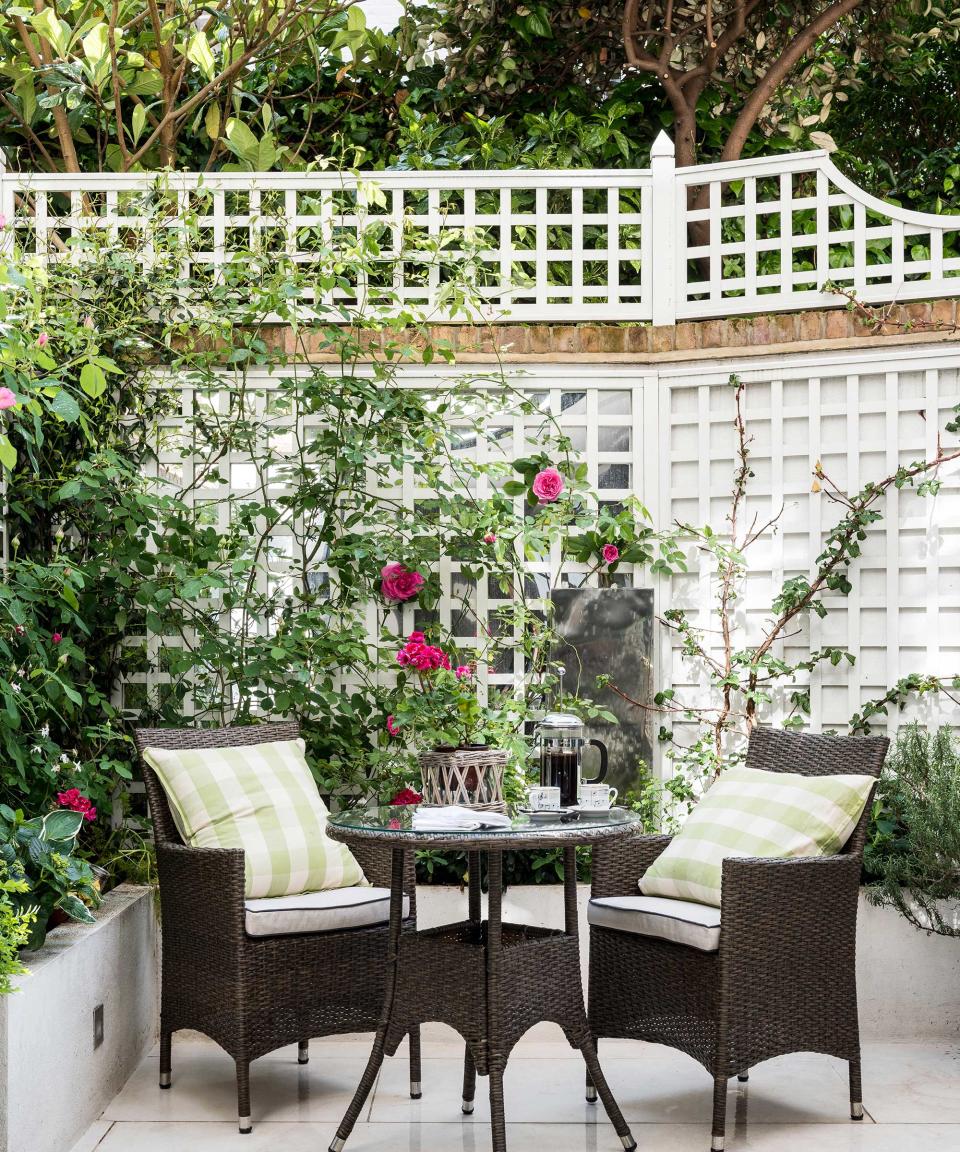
489 979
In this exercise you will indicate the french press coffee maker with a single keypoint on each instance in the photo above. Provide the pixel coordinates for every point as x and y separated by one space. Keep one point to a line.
560 740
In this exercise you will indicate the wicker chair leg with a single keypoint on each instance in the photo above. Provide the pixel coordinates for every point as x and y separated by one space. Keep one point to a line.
469 1082
303 1052
497 1119
166 1063
243 1096
719 1113
415 1090
856 1091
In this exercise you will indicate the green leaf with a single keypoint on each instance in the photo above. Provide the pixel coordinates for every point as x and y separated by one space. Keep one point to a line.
514 488
266 153
26 93
50 28
356 20
198 52
75 909
8 454
92 379
64 406
241 141
95 43
62 824
138 120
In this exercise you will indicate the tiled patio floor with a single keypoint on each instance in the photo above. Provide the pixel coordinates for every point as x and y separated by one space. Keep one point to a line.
793 1104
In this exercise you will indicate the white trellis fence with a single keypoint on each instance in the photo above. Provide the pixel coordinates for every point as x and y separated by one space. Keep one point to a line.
660 244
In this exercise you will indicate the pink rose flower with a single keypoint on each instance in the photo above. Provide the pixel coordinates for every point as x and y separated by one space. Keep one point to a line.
547 485
56 637
73 800
42 340
3 220
398 583
7 399
405 796
463 672
392 726
611 553
490 538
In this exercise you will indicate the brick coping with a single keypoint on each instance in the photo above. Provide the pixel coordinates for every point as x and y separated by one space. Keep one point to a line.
822 329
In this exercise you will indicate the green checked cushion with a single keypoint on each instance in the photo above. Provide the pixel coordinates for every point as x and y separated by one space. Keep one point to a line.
261 798
749 812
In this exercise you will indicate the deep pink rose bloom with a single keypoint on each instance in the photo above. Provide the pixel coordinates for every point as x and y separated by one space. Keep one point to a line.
398 583
7 399
73 800
490 538
392 726
42 340
547 485
3 220
56 637
611 553
405 796
463 672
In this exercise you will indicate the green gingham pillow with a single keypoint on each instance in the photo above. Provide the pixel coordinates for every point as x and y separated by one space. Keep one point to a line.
749 812
263 799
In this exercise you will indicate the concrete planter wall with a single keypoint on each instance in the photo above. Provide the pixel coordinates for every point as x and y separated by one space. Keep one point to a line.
53 1081
909 982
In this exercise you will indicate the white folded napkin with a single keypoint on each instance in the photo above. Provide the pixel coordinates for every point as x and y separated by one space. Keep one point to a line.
454 817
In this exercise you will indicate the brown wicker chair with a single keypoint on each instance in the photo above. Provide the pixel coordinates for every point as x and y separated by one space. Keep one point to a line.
783 979
254 994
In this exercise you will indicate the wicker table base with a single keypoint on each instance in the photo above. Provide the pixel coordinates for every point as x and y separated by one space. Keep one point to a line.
490 981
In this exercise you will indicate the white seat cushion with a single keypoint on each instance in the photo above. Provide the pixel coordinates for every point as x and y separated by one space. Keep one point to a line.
332 910
682 921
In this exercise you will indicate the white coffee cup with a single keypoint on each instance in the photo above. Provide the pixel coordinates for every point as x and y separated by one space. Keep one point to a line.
598 797
541 798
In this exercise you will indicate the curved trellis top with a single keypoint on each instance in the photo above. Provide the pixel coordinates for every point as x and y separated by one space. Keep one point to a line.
659 244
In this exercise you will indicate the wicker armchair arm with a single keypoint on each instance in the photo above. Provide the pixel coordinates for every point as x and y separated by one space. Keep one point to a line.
617 867
201 893
772 910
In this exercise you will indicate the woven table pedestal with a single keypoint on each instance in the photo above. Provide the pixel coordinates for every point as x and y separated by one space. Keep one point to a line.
489 980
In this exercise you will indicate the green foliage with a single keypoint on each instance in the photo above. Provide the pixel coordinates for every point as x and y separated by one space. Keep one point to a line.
39 854
16 924
660 804
913 858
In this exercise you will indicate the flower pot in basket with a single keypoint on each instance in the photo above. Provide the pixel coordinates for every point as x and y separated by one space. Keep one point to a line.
472 777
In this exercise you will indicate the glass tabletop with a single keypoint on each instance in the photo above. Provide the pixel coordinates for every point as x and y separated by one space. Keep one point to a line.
400 819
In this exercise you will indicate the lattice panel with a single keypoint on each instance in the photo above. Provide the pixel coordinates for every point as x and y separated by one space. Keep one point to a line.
770 234
668 438
533 245
861 417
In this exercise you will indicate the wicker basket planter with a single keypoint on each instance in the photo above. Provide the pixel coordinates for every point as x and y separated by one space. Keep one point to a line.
472 777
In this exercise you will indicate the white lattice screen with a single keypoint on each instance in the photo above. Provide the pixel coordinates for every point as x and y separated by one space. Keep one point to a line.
666 435
761 235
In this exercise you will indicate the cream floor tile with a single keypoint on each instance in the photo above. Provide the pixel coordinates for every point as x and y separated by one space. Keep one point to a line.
660 1087
912 1083
90 1140
273 1136
204 1088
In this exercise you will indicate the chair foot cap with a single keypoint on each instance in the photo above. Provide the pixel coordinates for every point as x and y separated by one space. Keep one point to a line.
303 1059
164 1079
337 1144
591 1095
856 1111
628 1142
246 1125
743 1077
415 1090
466 1107
716 1144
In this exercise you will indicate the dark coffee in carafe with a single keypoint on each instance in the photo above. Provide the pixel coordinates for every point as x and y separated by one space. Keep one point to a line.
561 769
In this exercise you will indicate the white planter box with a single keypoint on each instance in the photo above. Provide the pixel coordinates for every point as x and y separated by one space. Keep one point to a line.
908 982
53 1082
